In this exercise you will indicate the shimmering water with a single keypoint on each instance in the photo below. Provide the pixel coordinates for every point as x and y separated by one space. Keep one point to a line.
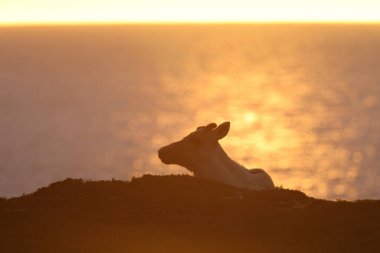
97 102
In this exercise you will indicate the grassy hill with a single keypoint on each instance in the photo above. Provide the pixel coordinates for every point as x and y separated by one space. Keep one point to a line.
182 214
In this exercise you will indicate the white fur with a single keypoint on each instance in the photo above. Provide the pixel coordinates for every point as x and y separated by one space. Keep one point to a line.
218 166
201 153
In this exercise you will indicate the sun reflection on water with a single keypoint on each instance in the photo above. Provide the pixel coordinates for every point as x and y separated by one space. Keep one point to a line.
276 127
299 128
302 100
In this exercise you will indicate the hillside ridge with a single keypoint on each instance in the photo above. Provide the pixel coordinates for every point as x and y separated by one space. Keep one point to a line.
180 213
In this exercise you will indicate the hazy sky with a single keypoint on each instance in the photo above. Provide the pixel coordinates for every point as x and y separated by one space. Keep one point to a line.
83 11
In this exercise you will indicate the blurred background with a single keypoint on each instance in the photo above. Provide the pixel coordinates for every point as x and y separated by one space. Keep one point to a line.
96 102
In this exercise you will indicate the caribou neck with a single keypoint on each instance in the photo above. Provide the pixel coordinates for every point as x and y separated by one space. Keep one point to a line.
217 165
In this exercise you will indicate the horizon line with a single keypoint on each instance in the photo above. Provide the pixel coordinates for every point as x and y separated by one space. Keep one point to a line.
120 23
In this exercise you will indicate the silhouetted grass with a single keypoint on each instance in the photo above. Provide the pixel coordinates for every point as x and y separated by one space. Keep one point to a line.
182 214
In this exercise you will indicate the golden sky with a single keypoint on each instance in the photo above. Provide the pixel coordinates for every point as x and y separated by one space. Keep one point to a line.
105 11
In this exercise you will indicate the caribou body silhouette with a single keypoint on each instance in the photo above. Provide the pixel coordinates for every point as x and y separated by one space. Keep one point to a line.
201 153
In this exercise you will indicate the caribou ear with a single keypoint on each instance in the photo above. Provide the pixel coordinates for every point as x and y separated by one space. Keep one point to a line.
211 126
208 127
222 130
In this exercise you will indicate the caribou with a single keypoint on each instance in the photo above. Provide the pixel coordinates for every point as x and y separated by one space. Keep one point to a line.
201 153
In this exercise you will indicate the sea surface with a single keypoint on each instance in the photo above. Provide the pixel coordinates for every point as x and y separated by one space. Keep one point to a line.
96 102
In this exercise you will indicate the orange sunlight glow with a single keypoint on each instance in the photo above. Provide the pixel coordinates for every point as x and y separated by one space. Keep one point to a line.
30 12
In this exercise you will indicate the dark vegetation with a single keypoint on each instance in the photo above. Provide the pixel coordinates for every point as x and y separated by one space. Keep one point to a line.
182 214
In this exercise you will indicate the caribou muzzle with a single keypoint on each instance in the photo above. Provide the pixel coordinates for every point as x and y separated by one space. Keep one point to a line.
167 154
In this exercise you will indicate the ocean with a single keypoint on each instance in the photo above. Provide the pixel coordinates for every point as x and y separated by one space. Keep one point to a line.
96 102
